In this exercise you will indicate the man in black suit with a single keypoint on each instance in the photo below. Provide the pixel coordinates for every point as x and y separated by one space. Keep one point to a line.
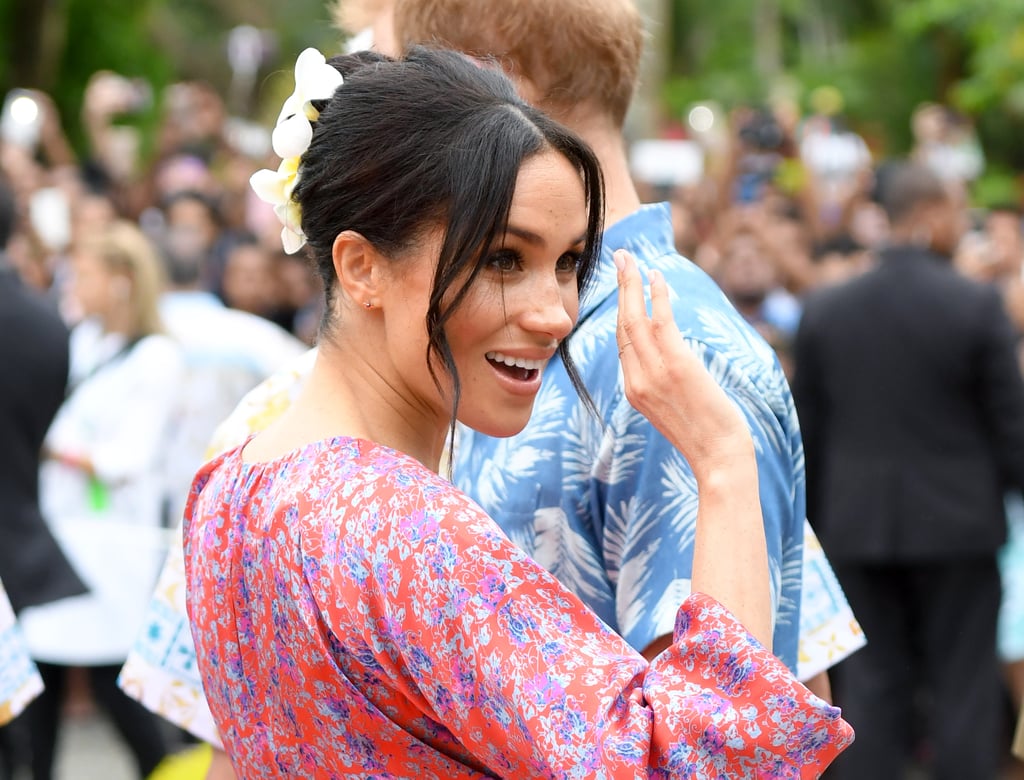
34 371
912 409
34 366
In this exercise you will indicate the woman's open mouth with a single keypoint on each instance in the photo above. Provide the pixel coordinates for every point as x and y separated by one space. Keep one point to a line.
520 369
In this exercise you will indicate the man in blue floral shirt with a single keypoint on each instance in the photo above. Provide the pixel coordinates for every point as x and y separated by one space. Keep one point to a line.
608 505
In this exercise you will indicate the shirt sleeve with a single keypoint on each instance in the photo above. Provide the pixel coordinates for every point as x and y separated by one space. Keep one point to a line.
532 684
645 497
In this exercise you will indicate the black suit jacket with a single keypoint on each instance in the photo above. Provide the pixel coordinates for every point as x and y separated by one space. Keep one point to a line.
911 404
34 366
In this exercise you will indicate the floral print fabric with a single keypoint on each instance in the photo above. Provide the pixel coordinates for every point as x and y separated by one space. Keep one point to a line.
355 615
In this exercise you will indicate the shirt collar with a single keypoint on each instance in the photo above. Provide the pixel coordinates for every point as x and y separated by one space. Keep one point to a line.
178 299
646 234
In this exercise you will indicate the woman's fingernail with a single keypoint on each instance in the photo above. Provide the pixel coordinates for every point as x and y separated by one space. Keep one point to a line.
620 260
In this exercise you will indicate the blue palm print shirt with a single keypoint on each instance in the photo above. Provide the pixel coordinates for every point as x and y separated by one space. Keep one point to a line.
609 506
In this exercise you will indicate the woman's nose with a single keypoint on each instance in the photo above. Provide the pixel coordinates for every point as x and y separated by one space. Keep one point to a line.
551 307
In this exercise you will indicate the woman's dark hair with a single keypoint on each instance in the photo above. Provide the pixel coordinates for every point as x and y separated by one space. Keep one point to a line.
431 139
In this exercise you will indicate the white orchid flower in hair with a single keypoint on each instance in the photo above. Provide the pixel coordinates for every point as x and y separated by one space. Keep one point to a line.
314 80
275 188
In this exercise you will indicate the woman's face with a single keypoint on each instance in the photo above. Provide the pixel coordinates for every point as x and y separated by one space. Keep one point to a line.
94 285
523 302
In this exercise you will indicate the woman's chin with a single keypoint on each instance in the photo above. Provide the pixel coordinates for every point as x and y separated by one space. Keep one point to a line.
510 425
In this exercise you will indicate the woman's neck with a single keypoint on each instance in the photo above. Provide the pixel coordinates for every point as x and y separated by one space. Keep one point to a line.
345 395
117 321
609 145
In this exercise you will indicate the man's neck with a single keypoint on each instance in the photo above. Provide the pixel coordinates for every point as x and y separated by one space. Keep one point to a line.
606 140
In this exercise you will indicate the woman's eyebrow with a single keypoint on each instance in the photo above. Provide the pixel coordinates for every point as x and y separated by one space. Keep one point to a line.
527 235
533 238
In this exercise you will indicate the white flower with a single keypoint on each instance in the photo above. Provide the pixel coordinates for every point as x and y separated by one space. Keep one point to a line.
292 237
314 80
275 187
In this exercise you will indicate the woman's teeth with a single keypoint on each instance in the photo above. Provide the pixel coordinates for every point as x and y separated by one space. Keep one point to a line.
514 362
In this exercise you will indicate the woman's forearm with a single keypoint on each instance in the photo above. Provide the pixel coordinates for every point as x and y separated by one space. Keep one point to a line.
730 558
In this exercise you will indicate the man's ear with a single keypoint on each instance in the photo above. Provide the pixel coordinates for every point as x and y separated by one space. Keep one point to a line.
358 267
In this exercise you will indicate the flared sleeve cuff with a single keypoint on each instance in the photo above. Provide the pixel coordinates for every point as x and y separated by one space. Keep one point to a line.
744 714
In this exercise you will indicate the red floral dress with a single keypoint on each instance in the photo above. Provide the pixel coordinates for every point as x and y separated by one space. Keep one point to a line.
357 616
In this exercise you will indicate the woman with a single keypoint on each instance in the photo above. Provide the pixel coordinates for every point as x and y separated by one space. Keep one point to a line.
354 614
101 485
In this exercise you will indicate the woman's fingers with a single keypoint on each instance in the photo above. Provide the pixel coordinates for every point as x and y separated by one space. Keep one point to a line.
646 336
661 307
663 378
632 310
638 352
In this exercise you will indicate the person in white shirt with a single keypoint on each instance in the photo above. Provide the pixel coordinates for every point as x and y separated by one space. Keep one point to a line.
227 353
101 487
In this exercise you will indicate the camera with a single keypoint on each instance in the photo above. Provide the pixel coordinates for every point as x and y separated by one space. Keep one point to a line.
762 132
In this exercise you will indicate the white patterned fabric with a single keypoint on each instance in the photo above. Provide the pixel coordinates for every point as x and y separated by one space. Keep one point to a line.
19 679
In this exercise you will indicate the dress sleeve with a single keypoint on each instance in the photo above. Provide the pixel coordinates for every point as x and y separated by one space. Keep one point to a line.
532 684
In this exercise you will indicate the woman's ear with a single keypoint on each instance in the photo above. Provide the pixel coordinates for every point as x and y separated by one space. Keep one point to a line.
358 267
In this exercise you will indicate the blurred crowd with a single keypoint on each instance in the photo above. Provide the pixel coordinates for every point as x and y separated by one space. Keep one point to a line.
171 277
891 299
174 298
775 203
192 201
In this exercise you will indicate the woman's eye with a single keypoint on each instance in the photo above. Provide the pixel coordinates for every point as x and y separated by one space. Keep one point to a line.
569 262
504 261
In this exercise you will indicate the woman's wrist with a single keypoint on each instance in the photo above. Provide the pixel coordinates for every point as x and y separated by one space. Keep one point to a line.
726 464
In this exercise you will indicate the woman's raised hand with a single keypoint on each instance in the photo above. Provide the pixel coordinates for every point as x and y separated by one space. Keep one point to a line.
666 382
669 385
